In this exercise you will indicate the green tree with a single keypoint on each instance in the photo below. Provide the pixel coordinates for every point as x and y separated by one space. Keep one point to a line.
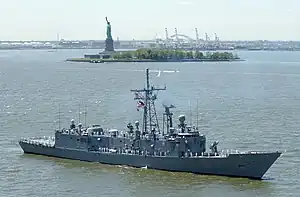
208 55
199 55
189 55
179 54
167 54
215 56
127 55
117 56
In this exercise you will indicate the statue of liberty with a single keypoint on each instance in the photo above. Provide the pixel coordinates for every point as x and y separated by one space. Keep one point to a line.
109 43
108 30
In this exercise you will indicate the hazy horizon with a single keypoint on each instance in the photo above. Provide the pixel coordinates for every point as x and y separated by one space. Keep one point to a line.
143 20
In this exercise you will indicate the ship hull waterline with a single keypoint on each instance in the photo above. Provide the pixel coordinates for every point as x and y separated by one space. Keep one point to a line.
252 166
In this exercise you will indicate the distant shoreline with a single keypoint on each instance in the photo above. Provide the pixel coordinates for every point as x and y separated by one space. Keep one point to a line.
101 48
88 60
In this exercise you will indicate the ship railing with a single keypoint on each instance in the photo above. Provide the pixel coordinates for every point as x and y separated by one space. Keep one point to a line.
232 152
40 138
40 141
220 154
204 155
121 151
228 152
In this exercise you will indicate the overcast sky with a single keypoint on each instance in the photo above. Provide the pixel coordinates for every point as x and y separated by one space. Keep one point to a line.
144 19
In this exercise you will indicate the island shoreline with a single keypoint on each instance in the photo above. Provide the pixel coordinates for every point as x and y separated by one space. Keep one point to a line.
88 60
158 55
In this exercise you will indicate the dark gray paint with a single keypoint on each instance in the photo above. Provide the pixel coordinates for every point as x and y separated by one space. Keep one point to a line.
250 165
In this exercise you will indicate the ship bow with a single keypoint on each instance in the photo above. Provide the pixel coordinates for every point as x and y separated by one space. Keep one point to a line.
253 164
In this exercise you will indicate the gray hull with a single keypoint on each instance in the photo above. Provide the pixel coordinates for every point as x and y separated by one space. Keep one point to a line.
249 165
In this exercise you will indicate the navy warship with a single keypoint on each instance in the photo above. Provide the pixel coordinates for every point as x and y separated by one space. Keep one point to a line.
180 147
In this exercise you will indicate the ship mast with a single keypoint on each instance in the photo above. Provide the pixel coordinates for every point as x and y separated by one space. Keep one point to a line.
59 117
150 120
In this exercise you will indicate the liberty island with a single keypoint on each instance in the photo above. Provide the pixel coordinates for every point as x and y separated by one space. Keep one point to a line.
151 55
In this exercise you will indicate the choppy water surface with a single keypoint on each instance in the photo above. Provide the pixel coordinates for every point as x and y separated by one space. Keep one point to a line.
251 105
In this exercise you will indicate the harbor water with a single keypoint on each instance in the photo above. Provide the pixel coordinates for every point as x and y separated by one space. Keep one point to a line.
249 105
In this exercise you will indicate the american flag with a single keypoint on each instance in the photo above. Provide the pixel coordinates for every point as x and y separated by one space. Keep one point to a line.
140 104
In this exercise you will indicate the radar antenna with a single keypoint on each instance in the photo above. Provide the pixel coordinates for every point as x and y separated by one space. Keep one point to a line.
147 100
167 118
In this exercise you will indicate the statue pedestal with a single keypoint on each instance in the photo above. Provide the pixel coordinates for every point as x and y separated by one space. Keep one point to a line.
109 44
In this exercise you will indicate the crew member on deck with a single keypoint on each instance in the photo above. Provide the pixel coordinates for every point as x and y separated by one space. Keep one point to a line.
72 126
